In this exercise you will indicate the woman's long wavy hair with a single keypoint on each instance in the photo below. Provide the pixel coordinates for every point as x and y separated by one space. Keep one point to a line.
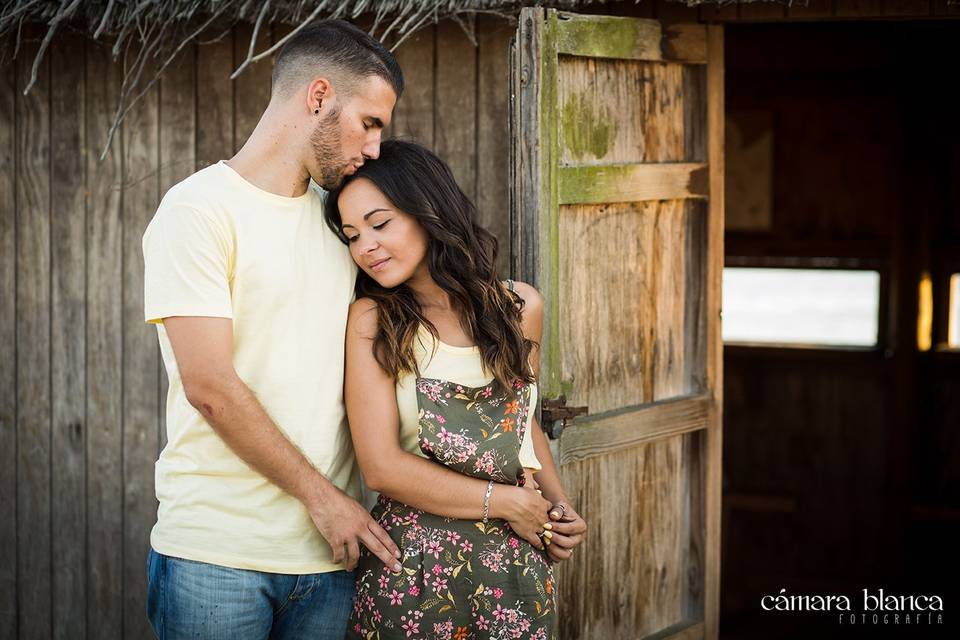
461 256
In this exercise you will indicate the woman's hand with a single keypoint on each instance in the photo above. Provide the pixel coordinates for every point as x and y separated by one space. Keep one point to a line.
566 529
524 509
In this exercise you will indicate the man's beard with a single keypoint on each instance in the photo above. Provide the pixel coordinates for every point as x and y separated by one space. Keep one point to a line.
325 140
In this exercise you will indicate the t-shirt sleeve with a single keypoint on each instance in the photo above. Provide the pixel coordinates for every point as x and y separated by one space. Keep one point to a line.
528 457
187 261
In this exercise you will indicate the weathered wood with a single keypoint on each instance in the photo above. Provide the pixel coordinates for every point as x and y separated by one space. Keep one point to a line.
68 334
682 631
33 349
714 365
906 8
8 364
252 87
627 581
620 111
455 104
413 117
608 37
493 131
215 101
104 350
627 294
685 43
177 147
596 184
141 406
600 434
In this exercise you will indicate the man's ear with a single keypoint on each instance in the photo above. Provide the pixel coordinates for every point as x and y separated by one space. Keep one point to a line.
319 90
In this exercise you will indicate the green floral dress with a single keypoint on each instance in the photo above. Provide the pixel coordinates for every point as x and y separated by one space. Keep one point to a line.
461 578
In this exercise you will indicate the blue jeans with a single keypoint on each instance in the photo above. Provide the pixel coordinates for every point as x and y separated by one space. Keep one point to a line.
189 599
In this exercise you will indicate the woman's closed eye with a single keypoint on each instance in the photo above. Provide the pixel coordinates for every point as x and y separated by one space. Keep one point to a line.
376 226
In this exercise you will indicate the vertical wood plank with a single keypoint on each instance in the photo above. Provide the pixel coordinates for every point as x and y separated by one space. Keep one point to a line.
68 262
413 116
8 365
104 351
493 132
455 104
714 262
214 101
141 404
177 148
252 87
33 348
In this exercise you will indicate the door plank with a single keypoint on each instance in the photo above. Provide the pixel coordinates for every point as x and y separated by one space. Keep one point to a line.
598 184
68 263
455 134
413 117
33 348
104 351
613 430
141 403
714 364
8 336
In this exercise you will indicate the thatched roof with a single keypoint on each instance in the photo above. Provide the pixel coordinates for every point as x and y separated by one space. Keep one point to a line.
148 34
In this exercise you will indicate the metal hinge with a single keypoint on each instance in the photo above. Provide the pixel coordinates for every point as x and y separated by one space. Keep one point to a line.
555 415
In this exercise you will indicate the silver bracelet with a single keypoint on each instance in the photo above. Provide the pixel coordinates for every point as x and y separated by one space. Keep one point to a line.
486 502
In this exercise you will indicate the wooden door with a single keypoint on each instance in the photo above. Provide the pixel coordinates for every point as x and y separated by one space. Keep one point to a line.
618 219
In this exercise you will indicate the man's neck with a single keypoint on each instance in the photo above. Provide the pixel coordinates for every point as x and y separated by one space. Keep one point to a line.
269 158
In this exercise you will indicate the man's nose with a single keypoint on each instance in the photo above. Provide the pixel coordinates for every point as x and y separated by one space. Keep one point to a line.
371 150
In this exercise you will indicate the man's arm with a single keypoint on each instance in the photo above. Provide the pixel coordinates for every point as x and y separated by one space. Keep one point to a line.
203 348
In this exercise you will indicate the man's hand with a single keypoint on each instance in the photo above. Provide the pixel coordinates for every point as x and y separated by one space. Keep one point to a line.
567 529
344 523
524 509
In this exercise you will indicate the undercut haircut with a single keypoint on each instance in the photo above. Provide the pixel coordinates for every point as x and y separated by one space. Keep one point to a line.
337 50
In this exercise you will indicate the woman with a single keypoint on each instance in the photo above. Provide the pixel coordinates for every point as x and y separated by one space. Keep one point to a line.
439 371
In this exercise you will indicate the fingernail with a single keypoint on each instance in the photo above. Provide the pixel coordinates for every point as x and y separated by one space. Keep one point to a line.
548 526
396 568
547 534
396 554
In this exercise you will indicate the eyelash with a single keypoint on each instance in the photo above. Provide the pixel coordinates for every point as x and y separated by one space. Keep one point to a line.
376 226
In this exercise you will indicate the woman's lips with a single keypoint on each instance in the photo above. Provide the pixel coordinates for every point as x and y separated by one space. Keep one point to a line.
379 264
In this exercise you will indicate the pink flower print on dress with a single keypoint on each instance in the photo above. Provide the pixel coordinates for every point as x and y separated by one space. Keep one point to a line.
414 591
435 548
483 624
396 597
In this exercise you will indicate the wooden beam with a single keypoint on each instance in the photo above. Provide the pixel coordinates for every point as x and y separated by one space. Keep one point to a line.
632 182
682 631
630 426
630 39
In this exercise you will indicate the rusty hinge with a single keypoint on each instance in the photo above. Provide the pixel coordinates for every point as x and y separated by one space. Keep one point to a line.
555 415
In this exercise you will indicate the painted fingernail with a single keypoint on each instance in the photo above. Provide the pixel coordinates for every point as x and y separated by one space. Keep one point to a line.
548 526
547 534
396 554
396 568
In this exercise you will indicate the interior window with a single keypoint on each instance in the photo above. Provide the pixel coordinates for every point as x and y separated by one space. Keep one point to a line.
801 307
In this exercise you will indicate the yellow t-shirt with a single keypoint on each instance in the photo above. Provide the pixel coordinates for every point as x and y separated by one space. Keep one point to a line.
219 246
461 365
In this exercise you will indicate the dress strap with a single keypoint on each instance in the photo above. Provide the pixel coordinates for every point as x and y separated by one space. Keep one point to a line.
510 285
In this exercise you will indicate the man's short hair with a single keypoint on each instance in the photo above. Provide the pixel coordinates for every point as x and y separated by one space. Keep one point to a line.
337 49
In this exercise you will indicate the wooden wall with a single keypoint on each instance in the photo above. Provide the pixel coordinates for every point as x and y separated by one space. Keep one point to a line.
81 381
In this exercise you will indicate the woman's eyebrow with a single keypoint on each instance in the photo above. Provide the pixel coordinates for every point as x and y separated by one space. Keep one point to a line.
367 215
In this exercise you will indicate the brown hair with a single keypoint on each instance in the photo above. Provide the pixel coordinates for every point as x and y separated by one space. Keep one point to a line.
461 256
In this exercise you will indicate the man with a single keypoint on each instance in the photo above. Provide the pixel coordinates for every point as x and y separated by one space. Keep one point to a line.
258 523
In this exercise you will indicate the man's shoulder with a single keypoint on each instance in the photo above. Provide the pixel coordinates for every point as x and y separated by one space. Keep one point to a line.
200 187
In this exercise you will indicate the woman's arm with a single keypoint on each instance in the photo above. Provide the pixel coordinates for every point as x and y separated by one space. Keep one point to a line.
371 400
568 527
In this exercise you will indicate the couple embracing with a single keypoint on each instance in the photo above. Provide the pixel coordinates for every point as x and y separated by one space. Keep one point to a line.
311 335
